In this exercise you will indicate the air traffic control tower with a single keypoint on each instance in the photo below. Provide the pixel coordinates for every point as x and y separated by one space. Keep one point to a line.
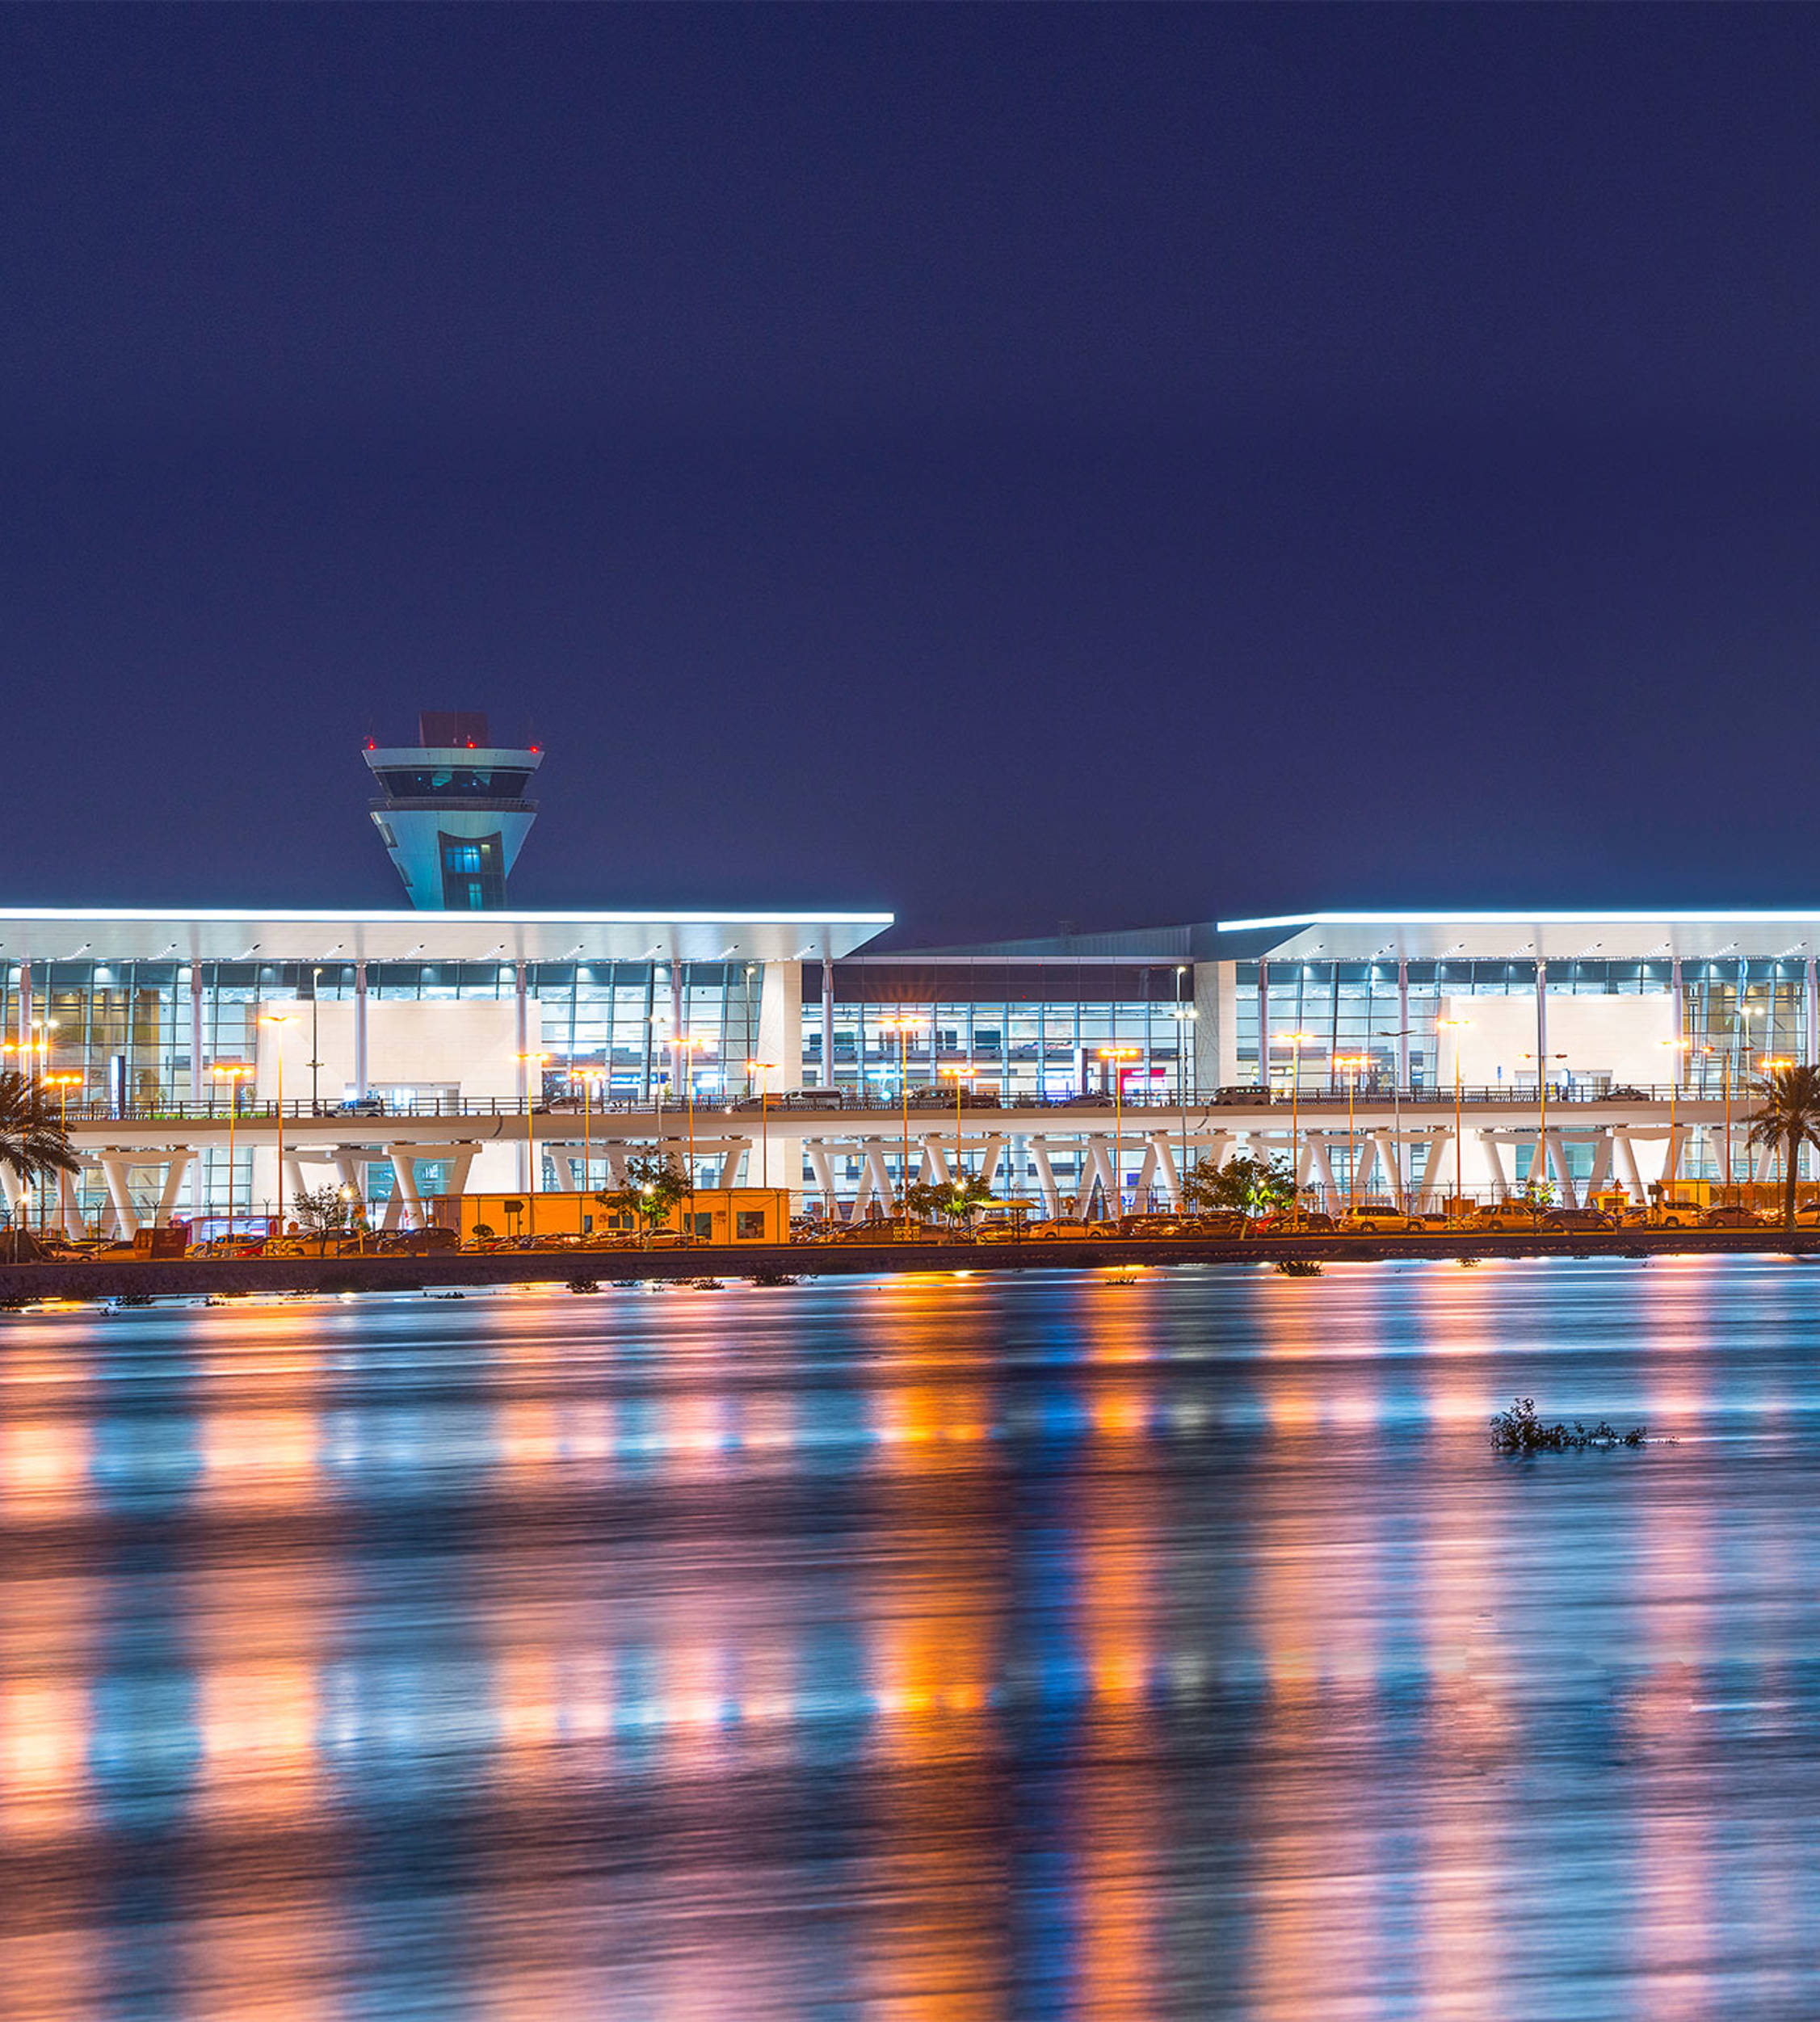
453 815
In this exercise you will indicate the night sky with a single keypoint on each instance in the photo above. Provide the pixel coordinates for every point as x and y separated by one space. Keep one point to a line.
1003 465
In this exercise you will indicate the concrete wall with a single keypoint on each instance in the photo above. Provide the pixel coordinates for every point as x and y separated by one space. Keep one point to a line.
467 1046
1620 1037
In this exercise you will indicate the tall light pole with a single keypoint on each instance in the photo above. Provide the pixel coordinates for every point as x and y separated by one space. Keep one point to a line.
1351 1063
959 1073
1459 1125
1295 1041
590 1077
1538 1171
1680 1048
533 1081
903 1027
1118 1055
63 1083
763 1068
280 1019
1185 1015
315 1047
1397 1031
233 1072
1767 1066
688 1045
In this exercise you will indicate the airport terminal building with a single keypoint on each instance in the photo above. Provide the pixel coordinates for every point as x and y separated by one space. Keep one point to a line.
1415 1051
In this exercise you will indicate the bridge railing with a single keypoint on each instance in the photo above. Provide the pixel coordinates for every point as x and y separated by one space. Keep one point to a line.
1206 1105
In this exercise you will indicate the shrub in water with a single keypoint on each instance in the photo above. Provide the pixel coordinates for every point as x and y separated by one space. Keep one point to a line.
1520 1430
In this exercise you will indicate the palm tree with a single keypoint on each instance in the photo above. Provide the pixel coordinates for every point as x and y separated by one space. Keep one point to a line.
1788 1118
32 1141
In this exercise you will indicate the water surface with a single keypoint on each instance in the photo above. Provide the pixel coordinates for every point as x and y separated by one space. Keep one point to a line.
925 1647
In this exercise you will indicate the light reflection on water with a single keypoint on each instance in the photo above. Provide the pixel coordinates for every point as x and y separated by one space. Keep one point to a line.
928 1647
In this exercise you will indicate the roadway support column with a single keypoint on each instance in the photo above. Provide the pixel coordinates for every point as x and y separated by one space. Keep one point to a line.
1627 1164
180 1158
404 1169
126 1218
201 1092
828 1024
1045 1176
521 1028
1402 1035
360 1030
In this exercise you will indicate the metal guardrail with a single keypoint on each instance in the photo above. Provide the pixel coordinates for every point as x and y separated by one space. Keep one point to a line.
931 1104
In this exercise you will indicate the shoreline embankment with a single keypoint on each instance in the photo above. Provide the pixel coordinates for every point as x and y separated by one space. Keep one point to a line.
131 1277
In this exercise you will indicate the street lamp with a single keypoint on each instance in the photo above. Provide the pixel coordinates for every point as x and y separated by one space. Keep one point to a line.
279 1018
761 1068
533 1066
1353 1063
1766 1067
1397 1031
590 1077
957 1074
1184 1015
688 1044
1456 1024
1681 1048
1539 1168
233 1072
63 1083
1117 1055
903 1027
1295 1041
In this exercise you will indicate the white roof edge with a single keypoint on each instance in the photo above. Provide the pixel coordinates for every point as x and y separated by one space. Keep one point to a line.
406 915
1464 916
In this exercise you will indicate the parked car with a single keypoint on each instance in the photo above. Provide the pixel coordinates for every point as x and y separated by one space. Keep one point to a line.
1217 1221
1507 1217
810 1098
1063 1231
1679 1214
1287 1222
1562 1221
1240 1098
1379 1218
1731 1218
1152 1225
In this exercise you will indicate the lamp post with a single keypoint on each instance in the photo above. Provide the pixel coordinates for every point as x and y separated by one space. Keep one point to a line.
959 1073
1185 1015
533 1067
1295 1041
590 1077
1538 1171
1767 1066
1118 1055
233 1072
762 1068
903 1027
1458 1132
1351 1063
315 1046
280 1019
63 1083
1397 1031
688 1044
1680 1048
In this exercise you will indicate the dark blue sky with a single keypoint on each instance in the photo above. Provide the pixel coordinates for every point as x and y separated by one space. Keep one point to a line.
1001 464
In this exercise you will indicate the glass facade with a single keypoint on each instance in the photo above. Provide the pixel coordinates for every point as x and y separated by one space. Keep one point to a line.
1733 1013
1035 1030
126 1027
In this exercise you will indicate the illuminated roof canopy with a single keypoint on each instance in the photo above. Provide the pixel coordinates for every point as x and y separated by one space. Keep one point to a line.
1548 936
131 934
